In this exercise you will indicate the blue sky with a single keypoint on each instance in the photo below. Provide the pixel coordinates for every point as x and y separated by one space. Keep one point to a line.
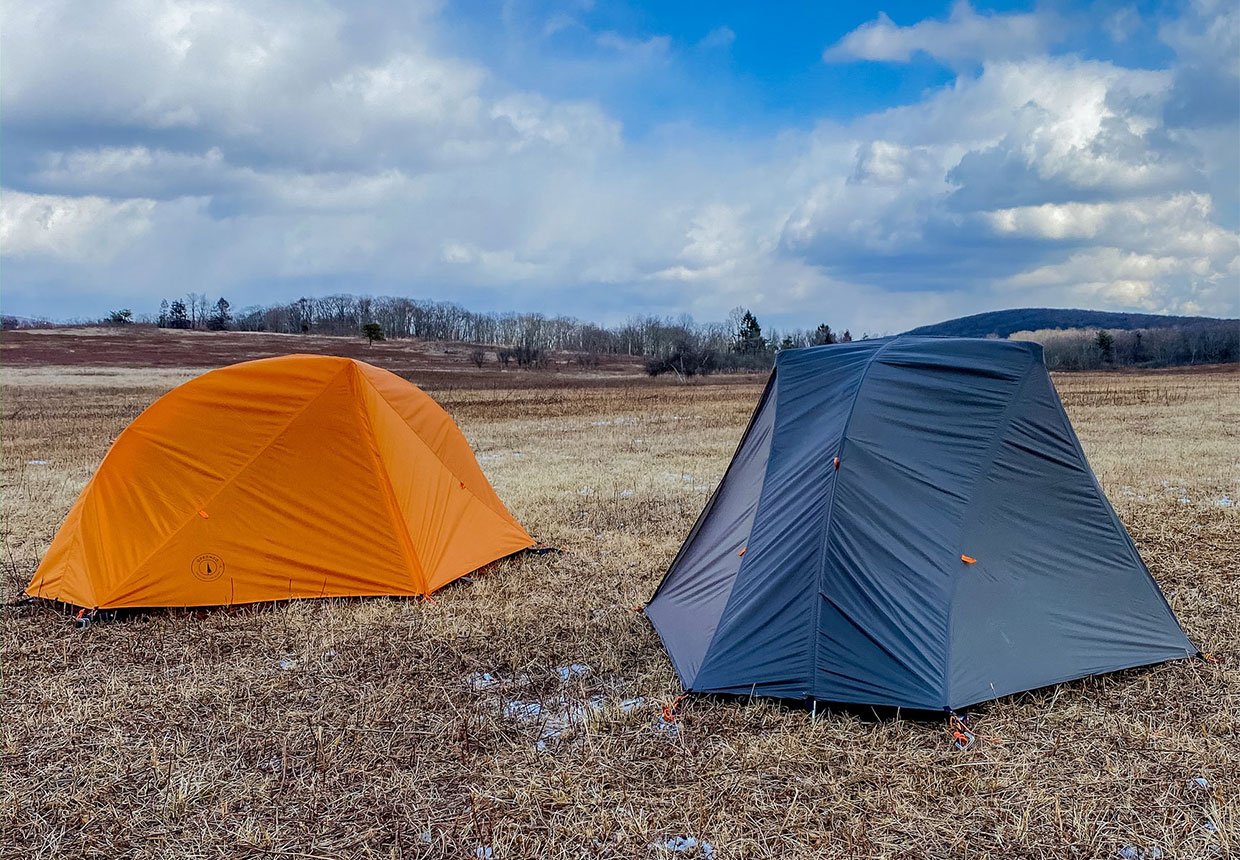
877 166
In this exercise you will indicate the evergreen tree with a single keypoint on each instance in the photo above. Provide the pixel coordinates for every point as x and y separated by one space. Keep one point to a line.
823 335
220 318
178 315
749 339
1106 345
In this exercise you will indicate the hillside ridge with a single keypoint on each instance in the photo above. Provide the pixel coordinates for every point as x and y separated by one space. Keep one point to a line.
1004 323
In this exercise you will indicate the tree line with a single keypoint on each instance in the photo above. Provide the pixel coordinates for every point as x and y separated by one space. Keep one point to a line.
1082 349
670 344
675 345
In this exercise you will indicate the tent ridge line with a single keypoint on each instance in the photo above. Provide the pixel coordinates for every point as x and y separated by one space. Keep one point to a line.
228 483
826 526
987 464
389 494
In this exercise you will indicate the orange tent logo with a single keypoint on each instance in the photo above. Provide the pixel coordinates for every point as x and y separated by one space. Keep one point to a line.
207 567
314 476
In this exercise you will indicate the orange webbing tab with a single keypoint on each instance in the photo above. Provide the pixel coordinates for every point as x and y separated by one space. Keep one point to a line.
672 709
837 464
962 738
741 551
968 559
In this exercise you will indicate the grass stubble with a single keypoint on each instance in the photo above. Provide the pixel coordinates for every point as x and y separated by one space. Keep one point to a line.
395 729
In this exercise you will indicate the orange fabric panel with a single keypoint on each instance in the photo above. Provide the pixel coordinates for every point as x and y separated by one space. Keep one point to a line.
63 571
305 494
437 431
452 530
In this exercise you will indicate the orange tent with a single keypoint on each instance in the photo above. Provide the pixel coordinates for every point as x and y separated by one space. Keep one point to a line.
300 476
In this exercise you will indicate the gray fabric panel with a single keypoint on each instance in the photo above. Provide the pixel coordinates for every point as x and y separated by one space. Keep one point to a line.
1058 591
763 643
892 552
688 603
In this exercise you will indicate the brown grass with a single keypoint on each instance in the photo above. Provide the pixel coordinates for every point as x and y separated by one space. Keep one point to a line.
362 728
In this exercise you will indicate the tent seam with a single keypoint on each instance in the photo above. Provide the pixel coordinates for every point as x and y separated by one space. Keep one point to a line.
228 483
389 493
826 528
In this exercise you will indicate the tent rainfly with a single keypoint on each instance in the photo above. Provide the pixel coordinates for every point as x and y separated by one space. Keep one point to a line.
299 476
909 522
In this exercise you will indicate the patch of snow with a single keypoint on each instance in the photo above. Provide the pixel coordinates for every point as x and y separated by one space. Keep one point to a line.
479 681
666 727
555 718
1224 501
628 706
573 671
686 845
523 710
287 663
37 462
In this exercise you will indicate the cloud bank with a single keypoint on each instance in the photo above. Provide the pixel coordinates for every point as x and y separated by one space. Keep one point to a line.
267 150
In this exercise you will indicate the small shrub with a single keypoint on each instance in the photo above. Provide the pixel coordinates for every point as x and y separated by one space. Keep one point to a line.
685 361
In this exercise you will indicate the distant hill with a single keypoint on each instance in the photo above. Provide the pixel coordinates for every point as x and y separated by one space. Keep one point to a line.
1006 323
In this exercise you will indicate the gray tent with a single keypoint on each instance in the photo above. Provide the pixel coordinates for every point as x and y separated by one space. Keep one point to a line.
909 522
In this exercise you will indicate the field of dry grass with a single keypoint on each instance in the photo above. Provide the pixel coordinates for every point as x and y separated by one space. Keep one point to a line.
387 728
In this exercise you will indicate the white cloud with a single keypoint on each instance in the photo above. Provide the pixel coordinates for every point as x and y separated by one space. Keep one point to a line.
78 229
302 148
720 37
965 37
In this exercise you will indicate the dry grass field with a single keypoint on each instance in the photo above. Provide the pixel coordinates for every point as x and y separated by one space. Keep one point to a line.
399 729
